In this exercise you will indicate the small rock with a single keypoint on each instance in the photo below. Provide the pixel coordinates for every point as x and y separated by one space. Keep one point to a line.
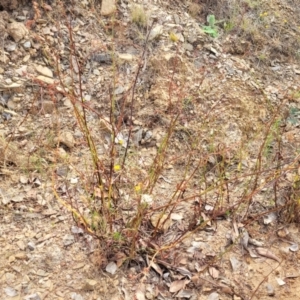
68 239
34 296
11 259
17 31
96 72
213 296
270 290
63 171
21 245
89 285
119 90
67 139
45 79
27 45
155 32
31 246
9 277
102 58
188 47
4 59
11 292
26 58
111 268
87 97
21 256
125 56
41 273
77 230
44 71
176 19
75 296
10 46
108 7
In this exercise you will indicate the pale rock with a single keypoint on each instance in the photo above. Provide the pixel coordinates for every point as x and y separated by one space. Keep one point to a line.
67 139
17 31
26 58
21 256
10 46
21 245
89 285
108 7
27 45
4 59
45 79
22 70
34 296
155 32
44 71
125 56
188 47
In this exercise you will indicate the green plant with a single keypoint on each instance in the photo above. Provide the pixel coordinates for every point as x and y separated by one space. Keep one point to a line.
294 115
211 28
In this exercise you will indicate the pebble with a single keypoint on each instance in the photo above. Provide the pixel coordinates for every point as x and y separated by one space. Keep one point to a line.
27 45
31 246
45 79
44 71
17 31
68 239
21 245
67 139
75 296
11 292
89 285
34 296
188 47
10 47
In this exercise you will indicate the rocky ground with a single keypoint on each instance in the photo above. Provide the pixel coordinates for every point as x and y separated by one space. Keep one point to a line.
238 96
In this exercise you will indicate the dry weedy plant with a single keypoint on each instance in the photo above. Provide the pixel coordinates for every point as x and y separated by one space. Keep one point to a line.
110 200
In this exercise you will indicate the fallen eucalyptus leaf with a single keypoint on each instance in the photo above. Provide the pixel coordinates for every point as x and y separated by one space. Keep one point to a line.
214 273
244 237
178 285
267 253
255 242
184 272
235 264
156 267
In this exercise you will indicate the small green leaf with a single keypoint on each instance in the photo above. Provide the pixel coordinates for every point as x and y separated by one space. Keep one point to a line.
211 20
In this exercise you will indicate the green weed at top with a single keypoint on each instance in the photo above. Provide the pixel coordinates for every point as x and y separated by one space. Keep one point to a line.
211 28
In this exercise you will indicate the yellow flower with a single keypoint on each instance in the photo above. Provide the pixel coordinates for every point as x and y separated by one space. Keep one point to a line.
173 37
117 168
138 187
